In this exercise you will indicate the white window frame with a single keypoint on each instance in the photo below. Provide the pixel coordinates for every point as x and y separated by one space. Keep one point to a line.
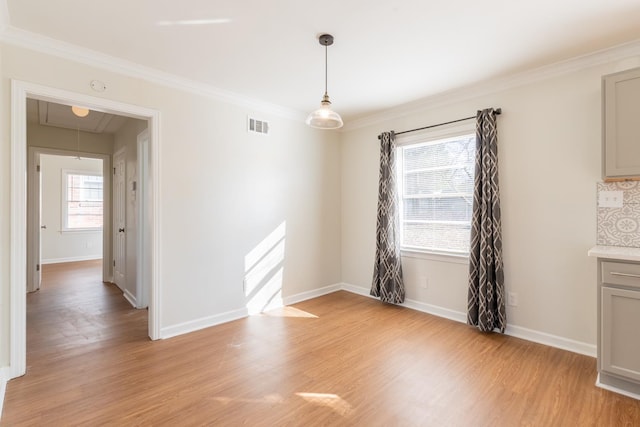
65 203
419 137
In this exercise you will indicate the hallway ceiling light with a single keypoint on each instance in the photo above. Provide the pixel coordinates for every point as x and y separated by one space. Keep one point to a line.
324 117
80 111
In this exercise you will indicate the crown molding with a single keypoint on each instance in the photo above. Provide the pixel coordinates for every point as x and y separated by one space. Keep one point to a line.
49 46
46 45
488 87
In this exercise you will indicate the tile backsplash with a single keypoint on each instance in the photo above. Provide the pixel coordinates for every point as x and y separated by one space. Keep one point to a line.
620 226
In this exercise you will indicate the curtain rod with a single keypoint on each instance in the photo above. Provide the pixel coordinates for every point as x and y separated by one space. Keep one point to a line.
496 111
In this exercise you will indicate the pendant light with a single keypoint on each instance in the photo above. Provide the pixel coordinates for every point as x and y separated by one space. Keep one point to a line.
324 117
80 112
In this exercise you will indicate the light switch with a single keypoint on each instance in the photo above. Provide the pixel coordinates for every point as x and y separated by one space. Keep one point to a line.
610 199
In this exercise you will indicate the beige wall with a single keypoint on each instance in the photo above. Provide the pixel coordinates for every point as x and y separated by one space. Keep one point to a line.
549 153
67 139
222 190
5 221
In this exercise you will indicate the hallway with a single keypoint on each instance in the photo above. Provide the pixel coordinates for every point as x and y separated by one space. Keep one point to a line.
73 317
76 313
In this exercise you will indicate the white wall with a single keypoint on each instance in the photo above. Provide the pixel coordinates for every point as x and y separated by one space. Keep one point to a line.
5 221
549 154
126 138
56 245
222 190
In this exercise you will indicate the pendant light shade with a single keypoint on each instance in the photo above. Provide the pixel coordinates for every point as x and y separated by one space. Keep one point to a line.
80 111
324 117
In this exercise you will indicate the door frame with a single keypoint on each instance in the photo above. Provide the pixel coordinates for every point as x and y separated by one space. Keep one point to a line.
20 91
142 235
33 233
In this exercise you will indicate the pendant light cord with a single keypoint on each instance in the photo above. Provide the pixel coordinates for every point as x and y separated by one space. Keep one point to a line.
326 69
78 142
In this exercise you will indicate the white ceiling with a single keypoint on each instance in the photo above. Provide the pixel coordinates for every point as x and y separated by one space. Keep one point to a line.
386 53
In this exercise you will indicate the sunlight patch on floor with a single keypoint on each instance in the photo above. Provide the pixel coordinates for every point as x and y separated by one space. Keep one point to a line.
270 399
288 312
329 400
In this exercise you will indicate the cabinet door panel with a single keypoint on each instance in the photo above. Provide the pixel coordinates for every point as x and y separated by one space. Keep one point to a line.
620 332
621 127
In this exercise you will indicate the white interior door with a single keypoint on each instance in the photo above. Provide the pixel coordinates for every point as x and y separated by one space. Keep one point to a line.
119 220
41 227
34 269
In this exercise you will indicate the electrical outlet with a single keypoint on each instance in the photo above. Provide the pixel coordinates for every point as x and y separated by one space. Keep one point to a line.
610 199
424 282
512 299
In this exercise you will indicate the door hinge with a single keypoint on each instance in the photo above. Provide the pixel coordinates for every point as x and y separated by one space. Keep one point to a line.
38 168
114 262
37 267
114 171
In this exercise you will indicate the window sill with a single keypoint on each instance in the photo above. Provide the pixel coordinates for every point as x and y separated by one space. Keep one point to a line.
435 256
81 230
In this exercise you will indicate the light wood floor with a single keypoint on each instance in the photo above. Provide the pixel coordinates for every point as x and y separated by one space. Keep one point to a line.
338 360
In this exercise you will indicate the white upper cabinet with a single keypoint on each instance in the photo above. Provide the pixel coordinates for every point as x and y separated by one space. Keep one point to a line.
621 125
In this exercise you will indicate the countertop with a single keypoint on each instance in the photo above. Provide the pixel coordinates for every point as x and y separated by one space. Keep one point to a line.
615 252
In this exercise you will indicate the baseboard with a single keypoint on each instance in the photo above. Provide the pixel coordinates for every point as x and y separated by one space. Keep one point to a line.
414 305
615 389
205 322
552 340
303 296
70 259
4 375
131 298
512 330
357 290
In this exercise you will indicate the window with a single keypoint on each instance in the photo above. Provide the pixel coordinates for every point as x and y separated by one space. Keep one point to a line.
81 201
435 180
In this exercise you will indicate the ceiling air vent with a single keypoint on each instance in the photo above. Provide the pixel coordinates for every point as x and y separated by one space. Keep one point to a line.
258 126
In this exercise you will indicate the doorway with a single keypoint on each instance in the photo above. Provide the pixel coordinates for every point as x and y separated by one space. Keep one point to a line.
66 210
149 230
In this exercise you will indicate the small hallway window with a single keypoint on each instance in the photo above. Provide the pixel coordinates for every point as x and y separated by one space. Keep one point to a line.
82 201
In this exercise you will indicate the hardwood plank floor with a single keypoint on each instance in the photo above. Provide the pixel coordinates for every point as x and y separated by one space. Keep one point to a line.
337 360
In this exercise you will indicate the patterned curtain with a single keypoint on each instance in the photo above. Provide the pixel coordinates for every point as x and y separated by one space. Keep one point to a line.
486 298
387 269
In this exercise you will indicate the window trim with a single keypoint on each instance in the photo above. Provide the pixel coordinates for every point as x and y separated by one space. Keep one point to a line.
450 257
424 136
64 205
